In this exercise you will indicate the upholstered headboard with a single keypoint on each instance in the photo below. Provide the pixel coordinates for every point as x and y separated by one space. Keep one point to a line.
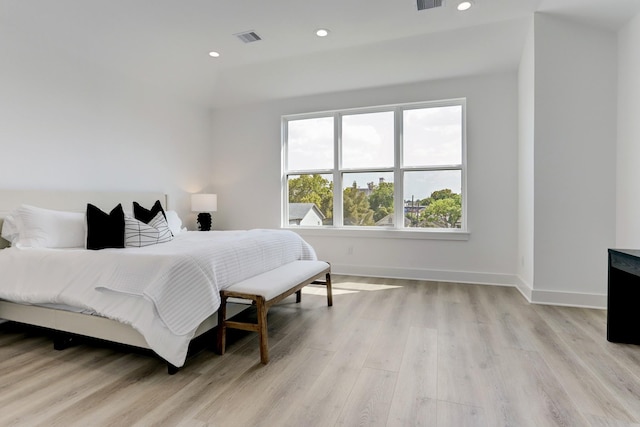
74 201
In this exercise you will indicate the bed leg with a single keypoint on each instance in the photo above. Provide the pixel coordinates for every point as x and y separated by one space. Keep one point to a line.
63 341
329 290
172 369
298 296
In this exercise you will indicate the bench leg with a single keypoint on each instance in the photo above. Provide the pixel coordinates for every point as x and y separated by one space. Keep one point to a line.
329 290
261 309
222 329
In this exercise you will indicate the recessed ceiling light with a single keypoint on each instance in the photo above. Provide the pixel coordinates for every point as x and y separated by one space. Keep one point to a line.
464 5
214 54
322 32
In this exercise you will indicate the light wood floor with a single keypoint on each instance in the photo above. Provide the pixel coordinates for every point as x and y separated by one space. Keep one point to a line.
389 352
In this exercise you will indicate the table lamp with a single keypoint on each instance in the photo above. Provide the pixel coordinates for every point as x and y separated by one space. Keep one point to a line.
204 204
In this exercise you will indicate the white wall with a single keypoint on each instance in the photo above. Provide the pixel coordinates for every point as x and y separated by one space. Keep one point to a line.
66 124
246 168
628 158
575 160
526 140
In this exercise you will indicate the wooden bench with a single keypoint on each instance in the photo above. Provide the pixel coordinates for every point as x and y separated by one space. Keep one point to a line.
267 289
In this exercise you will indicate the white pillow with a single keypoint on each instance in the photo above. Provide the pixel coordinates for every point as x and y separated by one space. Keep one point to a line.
175 223
46 228
138 234
10 229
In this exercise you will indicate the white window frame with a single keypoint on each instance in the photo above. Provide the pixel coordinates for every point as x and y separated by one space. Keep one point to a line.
398 170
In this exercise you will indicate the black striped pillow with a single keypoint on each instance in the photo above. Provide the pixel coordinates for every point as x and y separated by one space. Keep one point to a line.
138 234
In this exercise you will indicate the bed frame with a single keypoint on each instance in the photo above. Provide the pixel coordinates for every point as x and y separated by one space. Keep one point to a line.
72 323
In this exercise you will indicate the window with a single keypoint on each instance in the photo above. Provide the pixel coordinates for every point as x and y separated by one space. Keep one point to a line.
391 167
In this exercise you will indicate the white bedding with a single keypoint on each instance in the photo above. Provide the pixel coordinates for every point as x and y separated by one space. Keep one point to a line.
164 291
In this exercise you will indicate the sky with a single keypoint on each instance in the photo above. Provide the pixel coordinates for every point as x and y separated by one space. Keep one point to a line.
431 137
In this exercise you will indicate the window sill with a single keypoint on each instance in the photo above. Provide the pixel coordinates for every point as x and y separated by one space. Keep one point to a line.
381 233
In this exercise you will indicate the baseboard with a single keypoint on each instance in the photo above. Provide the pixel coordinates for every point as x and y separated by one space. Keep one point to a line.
534 296
525 289
569 299
426 274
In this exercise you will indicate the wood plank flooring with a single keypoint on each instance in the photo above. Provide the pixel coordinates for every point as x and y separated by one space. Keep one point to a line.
388 353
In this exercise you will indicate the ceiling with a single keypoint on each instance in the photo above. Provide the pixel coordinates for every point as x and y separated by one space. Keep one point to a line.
164 44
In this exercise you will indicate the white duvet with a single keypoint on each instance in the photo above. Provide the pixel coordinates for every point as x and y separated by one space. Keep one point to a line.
163 291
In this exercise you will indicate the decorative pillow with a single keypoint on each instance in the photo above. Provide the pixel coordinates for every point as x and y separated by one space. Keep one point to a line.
138 234
10 229
174 221
105 230
33 227
145 215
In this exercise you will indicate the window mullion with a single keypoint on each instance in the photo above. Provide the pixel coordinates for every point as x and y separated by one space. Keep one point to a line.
463 168
337 175
284 194
398 194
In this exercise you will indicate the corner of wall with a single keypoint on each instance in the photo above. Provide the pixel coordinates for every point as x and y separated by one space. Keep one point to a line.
524 288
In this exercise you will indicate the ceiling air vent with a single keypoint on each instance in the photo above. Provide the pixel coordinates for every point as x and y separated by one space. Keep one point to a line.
251 36
429 4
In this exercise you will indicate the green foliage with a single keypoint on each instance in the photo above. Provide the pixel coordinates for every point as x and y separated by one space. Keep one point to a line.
356 207
312 189
442 194
444 210
437 195
381 200
359 209
381 212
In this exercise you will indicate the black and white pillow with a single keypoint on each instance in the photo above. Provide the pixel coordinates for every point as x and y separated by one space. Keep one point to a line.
146 215
138 234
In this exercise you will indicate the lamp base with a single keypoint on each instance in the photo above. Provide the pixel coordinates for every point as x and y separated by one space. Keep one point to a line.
204 221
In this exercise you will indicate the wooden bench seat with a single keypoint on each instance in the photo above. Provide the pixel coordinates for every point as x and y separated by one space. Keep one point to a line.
267 289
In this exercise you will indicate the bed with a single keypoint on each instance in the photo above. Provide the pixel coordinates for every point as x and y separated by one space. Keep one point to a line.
103 294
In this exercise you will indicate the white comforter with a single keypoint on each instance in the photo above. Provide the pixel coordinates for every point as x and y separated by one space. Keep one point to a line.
164 291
